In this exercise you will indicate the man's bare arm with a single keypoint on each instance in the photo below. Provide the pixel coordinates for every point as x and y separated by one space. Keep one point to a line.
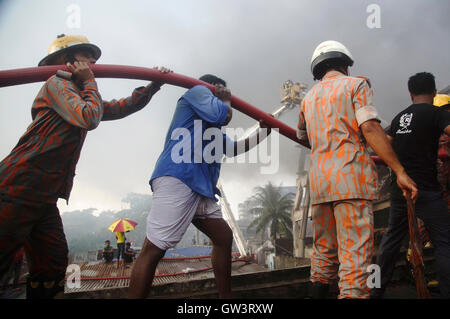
247 144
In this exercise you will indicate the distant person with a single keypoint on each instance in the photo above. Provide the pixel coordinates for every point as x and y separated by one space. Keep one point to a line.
337 117
415 134
108 252
41 167
184 184
14 272
120 237
128 254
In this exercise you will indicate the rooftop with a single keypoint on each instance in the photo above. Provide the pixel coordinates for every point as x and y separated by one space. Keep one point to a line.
100 275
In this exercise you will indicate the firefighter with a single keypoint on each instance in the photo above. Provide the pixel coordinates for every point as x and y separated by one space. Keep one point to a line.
334 115
41 167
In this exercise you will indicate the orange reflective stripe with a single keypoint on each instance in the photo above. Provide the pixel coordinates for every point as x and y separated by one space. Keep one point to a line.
343 234
341 168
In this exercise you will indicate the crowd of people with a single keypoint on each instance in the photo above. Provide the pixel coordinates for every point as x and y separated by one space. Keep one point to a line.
124 251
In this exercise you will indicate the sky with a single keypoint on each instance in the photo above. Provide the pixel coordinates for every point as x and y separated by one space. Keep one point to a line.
254 45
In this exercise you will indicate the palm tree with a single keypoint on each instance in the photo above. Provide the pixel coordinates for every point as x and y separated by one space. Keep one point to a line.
271 208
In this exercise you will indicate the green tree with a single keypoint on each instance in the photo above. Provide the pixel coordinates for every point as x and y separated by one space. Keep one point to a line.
271 209
87 231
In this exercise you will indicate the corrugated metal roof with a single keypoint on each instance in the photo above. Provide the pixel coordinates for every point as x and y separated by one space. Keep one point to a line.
101 275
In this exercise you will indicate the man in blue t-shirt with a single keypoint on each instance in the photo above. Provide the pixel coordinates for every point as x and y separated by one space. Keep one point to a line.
184 183
415 134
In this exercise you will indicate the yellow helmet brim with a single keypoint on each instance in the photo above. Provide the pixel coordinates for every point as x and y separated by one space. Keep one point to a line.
441 100
66 43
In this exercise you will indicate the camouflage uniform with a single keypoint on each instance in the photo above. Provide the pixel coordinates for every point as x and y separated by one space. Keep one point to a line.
41 167
343 180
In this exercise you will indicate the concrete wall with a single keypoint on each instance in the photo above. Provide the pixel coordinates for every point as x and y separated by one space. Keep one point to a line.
285 262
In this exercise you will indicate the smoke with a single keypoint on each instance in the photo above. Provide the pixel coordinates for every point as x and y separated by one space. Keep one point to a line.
254 45
87 229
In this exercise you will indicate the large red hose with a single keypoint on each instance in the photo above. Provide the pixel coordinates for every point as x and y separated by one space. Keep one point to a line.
37 74
42 73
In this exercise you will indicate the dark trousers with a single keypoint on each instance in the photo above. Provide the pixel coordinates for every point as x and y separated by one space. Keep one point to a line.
108 256
433 211
38 228
120 250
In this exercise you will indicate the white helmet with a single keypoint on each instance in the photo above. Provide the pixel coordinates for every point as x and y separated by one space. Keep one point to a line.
329 50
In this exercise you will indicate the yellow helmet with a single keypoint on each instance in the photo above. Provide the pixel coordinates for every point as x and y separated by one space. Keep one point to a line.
64 43
441 100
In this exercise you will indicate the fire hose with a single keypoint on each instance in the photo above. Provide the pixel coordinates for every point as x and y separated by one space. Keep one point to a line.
416 252
37 74
42 73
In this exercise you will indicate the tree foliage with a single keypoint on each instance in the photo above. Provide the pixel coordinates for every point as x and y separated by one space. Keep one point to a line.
270 209
86 231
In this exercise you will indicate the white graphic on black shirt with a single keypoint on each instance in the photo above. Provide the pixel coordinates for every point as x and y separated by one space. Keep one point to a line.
405 122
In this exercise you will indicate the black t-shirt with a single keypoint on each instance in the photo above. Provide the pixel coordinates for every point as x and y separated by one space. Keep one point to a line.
416 132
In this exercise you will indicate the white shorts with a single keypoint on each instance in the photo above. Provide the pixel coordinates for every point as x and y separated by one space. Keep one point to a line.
174 206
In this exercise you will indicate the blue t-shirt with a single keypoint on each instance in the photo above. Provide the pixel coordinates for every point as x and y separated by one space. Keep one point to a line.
186 144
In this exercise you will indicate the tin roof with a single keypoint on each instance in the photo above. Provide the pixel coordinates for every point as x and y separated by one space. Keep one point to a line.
101 275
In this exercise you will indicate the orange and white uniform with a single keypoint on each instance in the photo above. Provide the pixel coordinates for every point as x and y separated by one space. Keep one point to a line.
343 180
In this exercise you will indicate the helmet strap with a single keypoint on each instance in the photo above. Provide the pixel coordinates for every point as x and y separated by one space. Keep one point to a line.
344 70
